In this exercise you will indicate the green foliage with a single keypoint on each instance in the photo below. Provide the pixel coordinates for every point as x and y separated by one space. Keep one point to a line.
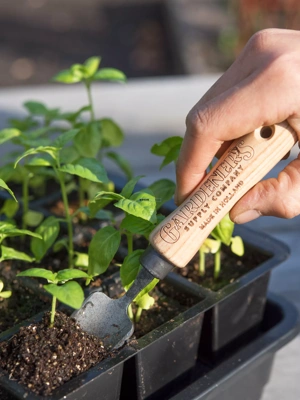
4 294
48 231
168 149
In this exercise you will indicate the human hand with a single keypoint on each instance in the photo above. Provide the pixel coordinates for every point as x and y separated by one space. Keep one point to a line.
262 87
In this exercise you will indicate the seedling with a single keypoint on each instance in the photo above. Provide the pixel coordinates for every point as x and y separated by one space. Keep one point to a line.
61 286
4 294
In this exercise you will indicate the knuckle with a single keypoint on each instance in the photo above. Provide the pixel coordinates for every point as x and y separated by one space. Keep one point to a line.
197 120
262 40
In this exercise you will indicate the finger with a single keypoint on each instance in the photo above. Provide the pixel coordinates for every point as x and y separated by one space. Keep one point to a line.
225 118
278 197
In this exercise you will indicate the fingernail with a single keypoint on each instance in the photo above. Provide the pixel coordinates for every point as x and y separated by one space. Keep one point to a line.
247 216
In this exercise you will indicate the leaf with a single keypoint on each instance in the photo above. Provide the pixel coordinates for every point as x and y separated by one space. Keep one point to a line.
141 204
33 218
171 156
137 225
48 230
6 172
36 108
43 160
67 274
237 246
101 200
210 246
9 230
121 162
4 186
163 148
129 187
68 155
163 191
88 140
101 214
92 64
102 249
67 76
112 134
146 289
8 134
6 294
8 253
130 267
70 293
81 260
39 273
60 244
109 74
145 302
52 151
87 168
65 137
224 230
73 116
9 208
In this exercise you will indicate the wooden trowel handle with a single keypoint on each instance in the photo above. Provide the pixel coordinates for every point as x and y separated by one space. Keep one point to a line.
245 163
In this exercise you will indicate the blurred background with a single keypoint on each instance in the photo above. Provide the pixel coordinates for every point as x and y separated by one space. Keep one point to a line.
141 37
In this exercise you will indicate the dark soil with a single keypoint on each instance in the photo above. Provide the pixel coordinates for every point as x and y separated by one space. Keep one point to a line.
232 268
43 358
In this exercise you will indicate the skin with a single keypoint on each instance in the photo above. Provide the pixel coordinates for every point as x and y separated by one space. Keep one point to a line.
261 87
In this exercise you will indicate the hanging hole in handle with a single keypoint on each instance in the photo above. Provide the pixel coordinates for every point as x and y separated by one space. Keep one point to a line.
266 132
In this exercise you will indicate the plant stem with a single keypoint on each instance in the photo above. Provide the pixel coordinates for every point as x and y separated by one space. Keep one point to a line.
53 308
217 264
68 217
201 263
130 312
88 88
25 195
138 314
81 192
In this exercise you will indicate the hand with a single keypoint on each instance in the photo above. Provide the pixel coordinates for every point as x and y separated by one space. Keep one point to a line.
262 87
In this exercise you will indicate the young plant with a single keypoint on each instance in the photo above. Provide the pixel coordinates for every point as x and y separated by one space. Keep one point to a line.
61 286
4 294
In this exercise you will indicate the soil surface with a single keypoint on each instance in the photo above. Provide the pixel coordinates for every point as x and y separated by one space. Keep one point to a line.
232 268
43 358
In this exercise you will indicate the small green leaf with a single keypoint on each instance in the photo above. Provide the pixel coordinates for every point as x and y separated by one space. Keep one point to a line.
122 163
130 267
163 148
70 293
60 244
87 168
91 65
6 172
88 140
39 273
171 156
6 294
8 134
48 230
137 225
109 74
33 218
67 76
8 253
36 108
9 230
129 187
112 134
68 155
145 302
237 246
101 214
141 204
72 117
101 200
67 274
224 230
43 160
210 246
4 186
52 151
65 137
102 249
9 208
81 260
163 191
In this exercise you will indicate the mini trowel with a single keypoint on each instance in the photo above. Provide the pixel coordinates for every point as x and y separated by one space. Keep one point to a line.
178 237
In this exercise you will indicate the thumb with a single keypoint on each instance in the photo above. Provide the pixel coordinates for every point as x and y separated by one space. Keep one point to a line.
278 197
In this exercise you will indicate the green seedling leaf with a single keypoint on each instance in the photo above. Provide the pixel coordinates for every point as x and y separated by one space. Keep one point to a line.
163 191
23 124
4 186
91 65
9 208
6 172
224 230
145 302
129 187
141 204
137 225
210 246
36 108
8 253
8 134
163 148
112 134
33 218
121 162
109 74
6 294
68 155
146 289
65 137
101 214
130 268
88 140
52 151
43 160
33 143
81 260
68 274
61 244
67 76
102 249
9 230
70 293
48 231
87 168
171 156
72 117
101 200
39 273
237 246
